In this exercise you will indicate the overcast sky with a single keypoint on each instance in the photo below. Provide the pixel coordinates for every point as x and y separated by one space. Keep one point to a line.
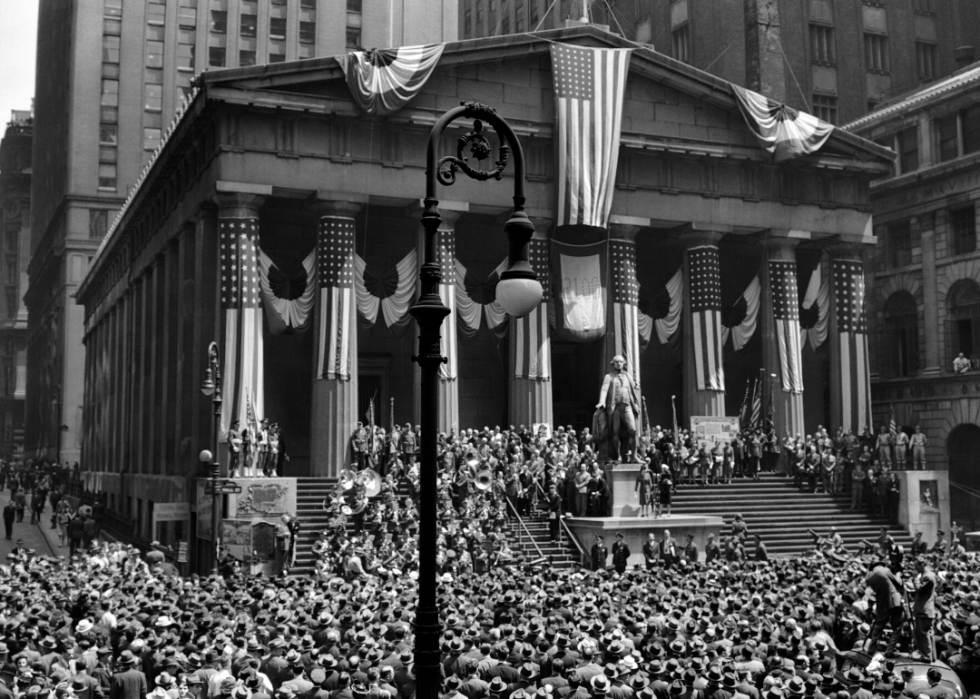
18 39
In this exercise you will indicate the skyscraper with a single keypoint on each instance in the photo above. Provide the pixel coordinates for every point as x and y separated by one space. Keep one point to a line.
110 75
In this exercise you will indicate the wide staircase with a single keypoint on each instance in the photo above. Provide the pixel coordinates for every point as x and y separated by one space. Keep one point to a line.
782 513
310 493
531 537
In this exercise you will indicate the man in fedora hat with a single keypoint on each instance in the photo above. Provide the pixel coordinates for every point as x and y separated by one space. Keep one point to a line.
128 683
599 553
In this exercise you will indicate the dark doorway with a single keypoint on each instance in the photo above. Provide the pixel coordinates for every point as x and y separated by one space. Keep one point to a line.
577 373
963 448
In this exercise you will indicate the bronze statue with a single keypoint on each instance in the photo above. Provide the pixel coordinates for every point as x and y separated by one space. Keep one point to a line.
620 400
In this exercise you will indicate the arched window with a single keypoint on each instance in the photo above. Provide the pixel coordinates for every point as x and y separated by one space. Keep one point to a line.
901 342
963 324
962 447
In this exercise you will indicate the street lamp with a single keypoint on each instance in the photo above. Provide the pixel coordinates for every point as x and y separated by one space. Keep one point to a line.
518 291
211 386
56 402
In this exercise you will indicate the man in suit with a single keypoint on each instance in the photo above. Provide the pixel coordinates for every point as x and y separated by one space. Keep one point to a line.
599 553
668 549
924 608
128 683
621 400
888 606
620 553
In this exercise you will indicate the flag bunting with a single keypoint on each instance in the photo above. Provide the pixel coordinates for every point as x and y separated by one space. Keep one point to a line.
288 300
781 131
382 81
742 331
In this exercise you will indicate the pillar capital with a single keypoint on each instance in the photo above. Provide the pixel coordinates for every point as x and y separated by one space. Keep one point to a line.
336 207
449 219
846 251
542 226
694 233
238 204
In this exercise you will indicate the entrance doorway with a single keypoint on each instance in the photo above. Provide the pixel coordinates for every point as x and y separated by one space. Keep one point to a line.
963 448
577 373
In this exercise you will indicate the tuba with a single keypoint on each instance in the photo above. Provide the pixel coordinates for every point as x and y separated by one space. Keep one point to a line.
371 481
346 479
483 479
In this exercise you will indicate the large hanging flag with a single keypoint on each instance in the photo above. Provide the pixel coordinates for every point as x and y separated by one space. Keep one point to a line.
382 81
288 300
626 296
786 319
243 374
781 131
532 335
705 270
589 87
580 290
756 417
852 334
335 265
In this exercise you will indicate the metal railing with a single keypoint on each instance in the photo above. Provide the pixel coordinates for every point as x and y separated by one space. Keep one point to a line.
523 527
584 556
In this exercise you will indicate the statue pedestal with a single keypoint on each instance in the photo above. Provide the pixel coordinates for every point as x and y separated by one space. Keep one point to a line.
636 530
924 503
624 500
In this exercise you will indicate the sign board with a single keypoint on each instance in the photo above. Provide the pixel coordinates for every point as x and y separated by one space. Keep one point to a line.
708 431
224 488
182 552
171 512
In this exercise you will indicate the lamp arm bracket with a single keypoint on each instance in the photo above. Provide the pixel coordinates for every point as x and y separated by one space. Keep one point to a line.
479 146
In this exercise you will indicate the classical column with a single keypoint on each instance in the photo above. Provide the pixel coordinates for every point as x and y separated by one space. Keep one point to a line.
622 328
781 343
930 294
529 397
850 374
242 350
334 408
704 370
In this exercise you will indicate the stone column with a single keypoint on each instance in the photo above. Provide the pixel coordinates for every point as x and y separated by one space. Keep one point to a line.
622 319
530 396
334 405
242 347
930 294
850 376
781 344
704 371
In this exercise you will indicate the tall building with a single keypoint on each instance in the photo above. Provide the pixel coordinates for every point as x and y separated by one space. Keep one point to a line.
110 76
926 300
15 220
836 59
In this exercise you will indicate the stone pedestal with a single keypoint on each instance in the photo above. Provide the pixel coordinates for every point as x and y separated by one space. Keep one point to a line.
623 498
924 503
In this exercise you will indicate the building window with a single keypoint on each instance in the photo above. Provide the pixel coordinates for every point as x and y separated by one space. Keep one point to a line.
110 70
908 149
156 13
307 32
876 53
109 115
98 223
248 25
947 138
110 93
185 56
153 97
107 176
899 244
113 8
108 134
535 18
246 58
963 326
308 4
925 59
680 40
12 312
216 56
923 6
187 16
277 51
963 230
277 27
110 49
111 26
151 138
154 54
970 121
219 21
822 44
825 107
353 37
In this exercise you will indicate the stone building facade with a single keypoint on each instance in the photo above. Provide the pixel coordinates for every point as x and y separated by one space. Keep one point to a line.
926 301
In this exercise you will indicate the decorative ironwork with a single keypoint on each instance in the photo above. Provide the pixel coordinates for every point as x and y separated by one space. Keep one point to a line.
480 149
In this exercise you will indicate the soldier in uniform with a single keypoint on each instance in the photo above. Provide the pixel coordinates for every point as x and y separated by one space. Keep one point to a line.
918 443
359 445
408 445
620 553
599 553
234 449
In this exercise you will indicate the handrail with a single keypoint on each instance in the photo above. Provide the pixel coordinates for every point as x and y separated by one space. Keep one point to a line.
584 555
524 527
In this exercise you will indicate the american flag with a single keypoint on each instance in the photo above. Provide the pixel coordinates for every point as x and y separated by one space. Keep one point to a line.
446 257
243 374
852 334
532 335
705 275
335 267
589 87
786 318
892 425
626 296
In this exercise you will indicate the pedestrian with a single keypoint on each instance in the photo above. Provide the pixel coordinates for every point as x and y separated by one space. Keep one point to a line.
9 513
76 530
63 518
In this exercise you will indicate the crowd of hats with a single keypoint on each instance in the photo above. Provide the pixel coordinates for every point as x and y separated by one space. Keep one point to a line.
509 632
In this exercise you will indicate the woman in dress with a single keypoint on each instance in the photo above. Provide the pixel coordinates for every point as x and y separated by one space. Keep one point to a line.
644 484
665 487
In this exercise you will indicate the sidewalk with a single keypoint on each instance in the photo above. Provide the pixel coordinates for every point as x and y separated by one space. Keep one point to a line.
42 539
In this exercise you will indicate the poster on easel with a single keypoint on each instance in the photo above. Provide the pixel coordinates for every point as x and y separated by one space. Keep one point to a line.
706 430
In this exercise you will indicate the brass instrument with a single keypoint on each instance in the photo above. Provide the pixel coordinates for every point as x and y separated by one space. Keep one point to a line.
346 479
371 481
346 509
483 479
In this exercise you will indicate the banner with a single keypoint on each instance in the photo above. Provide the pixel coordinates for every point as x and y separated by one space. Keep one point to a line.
781 131
335 260
626 296
288 301
382 81
243 373
707 431
589 88
786 321
705 289
580 290
852 339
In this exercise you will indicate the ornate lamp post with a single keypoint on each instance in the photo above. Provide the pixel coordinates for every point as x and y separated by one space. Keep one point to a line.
211 386
518 291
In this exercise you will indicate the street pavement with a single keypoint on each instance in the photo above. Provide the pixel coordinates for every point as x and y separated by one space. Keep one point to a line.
34 538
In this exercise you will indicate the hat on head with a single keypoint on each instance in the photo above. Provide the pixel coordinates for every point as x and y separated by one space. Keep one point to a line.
84 626
600 684
795 686
127 658
497 685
